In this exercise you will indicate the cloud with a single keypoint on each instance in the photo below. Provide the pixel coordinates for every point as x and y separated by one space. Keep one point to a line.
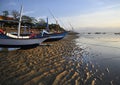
99 19
28 12
41 17
110 6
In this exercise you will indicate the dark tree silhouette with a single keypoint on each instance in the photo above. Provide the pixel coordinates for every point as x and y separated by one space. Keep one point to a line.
15 14
5 13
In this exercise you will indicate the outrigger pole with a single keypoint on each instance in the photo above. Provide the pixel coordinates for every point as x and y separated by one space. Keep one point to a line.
71 27
53 17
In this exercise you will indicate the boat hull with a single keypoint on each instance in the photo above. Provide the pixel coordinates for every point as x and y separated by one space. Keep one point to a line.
20 43
51 37
54 36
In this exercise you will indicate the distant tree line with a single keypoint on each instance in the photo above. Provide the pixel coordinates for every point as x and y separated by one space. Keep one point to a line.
31 21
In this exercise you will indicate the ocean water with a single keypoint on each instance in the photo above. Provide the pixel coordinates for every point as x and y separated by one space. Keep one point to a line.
104 51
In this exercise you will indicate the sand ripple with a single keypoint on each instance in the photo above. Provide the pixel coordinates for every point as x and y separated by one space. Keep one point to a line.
59 64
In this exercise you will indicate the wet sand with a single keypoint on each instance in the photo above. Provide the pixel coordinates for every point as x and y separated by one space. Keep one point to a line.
59 64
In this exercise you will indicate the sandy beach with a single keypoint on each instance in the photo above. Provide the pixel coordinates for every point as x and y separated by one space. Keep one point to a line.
60 63
88 55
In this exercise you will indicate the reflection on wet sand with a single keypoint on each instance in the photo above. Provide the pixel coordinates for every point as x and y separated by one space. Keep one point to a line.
8 49
103 51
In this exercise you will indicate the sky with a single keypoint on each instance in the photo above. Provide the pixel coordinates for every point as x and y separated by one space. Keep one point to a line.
83 15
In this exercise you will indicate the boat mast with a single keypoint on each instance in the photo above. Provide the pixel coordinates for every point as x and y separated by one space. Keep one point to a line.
20 21
47 27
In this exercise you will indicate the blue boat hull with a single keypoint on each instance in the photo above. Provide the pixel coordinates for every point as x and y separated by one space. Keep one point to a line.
54 36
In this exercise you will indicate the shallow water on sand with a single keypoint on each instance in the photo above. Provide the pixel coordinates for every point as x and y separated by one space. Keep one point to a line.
103 50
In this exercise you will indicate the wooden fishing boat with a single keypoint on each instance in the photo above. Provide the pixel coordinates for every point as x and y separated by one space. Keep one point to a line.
9 40
52 36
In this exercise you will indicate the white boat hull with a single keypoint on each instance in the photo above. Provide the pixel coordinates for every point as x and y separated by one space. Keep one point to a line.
21 42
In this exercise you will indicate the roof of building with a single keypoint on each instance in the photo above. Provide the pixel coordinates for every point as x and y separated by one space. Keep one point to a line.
6 18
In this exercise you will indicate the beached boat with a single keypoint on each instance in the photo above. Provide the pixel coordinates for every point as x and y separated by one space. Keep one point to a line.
9 40
52 36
